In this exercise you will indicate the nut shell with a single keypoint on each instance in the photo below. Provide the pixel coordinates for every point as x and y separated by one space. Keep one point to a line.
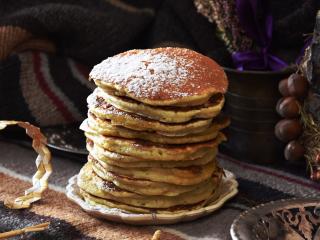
288 107
294 151
283 87
315 176
297 85
288 129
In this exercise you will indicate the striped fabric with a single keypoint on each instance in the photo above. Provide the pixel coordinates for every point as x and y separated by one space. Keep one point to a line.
50 90
275 178
257 184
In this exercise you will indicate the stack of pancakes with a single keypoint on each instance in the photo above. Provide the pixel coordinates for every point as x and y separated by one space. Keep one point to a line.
153 130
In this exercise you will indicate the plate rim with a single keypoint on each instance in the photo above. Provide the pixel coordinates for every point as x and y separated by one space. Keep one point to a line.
136 218
66 150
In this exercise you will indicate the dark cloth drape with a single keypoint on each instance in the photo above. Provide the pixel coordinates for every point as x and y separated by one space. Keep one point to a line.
47 47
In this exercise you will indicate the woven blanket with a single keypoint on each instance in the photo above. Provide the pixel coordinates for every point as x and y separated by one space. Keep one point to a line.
257 184
47 47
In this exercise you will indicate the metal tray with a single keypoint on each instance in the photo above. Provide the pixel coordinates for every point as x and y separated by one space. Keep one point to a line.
66 138
293 219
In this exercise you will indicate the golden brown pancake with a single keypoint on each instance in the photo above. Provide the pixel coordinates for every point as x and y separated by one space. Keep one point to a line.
165 114
103 110
147 187
89 181
153 132
125 161
152 151
104 203
161 76
105 127
179 176
94 185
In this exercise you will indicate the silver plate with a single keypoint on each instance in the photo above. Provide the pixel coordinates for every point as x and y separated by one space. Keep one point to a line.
66 138
293 219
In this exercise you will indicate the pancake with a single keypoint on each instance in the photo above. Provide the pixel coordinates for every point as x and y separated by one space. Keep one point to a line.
124 161
179 176
165 114
146 187
105 127
104 203
153 131
152 151
94 185
161 76
104 110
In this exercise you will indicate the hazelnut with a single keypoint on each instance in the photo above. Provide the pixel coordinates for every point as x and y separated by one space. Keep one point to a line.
297 85
288 129
288 107
283 87
294 151
315 175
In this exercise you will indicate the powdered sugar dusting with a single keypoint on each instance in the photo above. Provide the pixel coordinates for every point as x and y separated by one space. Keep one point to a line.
144 74
158 71
156 74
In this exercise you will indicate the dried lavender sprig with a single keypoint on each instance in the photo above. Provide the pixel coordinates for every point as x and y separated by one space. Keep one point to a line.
223 14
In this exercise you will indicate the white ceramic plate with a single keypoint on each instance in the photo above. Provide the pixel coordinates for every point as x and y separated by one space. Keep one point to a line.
229 188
